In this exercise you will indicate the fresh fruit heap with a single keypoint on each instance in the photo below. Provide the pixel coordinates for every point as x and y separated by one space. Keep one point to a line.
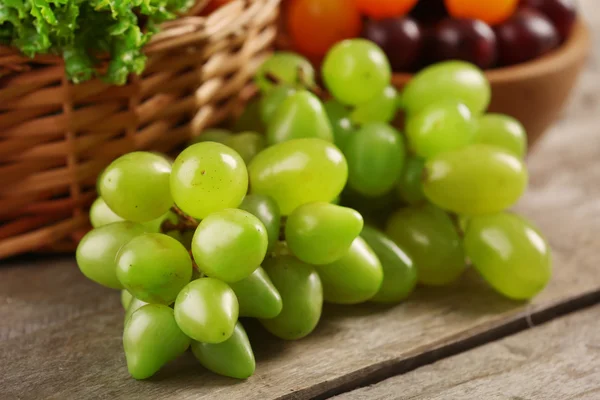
81 30
248 224
415 33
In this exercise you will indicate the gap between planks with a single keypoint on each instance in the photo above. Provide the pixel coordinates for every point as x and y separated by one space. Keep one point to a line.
451 347
557 360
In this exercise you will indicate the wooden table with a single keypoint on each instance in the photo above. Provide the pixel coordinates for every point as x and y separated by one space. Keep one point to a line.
60 335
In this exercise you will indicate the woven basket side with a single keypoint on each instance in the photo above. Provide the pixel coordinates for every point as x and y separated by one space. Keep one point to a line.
55 137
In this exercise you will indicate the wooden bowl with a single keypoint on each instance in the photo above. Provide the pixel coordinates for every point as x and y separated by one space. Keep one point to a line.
535 92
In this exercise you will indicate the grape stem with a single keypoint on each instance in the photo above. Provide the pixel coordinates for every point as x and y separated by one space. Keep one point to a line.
185 222
195 266
315 89
272 78
282 228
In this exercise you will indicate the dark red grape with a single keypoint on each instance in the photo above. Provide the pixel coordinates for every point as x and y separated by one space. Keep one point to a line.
400 38
464 39
562 13
526 35
429 11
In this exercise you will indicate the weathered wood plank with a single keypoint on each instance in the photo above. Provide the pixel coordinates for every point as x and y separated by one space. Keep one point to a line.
558 360
83 358
37 294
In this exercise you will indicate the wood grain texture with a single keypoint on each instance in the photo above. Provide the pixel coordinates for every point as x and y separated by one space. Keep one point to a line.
82 356
558 360
35 295
60 335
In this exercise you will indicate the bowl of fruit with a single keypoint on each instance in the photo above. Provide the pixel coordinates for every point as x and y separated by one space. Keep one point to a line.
532 51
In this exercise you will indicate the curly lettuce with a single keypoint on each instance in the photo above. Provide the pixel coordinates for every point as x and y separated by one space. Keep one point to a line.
84 30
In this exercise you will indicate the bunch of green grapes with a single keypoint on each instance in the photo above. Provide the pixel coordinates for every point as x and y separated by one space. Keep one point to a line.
193 249
450 162
453 162
311 202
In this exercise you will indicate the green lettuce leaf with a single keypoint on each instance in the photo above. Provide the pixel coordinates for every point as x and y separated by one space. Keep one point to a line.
85 32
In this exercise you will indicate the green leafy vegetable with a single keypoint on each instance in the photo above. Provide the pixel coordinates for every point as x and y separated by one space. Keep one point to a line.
86 31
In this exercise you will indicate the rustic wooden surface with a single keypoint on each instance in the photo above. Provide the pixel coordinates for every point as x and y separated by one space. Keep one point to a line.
558 360
60 335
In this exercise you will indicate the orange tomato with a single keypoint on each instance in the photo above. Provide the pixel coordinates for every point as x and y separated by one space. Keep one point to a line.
385 8
491 11
316 25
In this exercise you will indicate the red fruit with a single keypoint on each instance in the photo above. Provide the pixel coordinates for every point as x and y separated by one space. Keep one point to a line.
526 35
400 38
562 13
379 9
316 25
469 40
490 11
429 11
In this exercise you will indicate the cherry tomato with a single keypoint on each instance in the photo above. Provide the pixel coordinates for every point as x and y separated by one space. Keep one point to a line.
385 8
492 12
316 25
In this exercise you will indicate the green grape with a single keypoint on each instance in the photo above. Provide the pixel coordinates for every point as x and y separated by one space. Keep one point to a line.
479 179
301 115
449 80
101 214
126 298
375 157
207 310
502 131
98 249
299 171
285 68
250 120
374 210
257 296
440 127
154 267
99 180
233 358
339 118
354 278
246 144
399 273
230 244
510 254
355 71
267 211
156 224
208 177
212 135
151 339
302 295
381 108
136 186
410 188
134 305
429 237
321 233
271 101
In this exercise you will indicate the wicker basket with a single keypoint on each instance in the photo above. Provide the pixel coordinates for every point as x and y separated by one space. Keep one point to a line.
55 137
